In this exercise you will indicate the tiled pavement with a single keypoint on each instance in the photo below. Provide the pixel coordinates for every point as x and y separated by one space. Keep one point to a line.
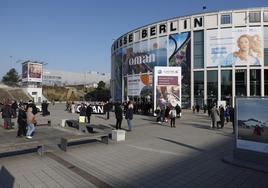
153 155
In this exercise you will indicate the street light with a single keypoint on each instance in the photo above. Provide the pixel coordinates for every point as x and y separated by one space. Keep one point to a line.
10 62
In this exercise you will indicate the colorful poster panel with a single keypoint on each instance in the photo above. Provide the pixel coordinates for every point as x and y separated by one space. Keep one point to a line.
143 56
179 53
167 86
252 124
235 47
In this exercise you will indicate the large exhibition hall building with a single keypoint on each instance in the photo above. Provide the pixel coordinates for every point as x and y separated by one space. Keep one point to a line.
222 54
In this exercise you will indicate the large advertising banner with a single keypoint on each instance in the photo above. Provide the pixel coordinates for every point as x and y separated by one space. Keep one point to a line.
117 58
35 72
24 74
143 56
179 53
234 47
139 85
252 124
167 86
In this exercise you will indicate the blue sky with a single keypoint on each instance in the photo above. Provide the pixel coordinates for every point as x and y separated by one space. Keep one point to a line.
76 35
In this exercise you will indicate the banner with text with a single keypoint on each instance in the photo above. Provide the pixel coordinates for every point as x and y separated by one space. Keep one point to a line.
167 86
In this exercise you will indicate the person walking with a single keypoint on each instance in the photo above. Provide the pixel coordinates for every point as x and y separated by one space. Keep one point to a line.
232 117
129 115
118 115
89 112
14 107
167 113
22 121
214 117
221 116
82 113
172 115
158 115
178 111
30 122
7 115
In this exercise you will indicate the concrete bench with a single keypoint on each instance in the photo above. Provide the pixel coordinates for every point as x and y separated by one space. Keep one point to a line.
20 148
85 127
77 139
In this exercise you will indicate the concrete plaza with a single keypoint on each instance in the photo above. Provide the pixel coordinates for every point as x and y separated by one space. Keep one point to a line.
153 155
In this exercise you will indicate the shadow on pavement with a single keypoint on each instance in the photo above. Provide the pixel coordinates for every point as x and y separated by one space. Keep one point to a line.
6 178
182 144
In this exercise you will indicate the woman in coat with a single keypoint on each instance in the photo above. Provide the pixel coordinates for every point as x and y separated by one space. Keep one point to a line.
215 116
118 115
129 115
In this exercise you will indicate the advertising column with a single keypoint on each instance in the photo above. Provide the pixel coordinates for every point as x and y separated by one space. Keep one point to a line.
167 86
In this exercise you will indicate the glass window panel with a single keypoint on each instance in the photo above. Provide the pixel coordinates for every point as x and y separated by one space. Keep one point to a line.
198 49
265 16
241 82
226 85
265 31
254 17
199 88
266 82
212 85
255 82
225 19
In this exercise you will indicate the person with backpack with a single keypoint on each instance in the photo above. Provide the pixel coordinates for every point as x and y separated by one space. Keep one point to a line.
172 115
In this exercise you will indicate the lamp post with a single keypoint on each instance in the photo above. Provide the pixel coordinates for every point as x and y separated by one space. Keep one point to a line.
10 61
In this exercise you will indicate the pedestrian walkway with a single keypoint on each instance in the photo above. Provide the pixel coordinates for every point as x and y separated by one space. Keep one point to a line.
153 155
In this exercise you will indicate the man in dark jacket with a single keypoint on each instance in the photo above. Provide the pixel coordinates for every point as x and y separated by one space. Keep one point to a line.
22 122
118 115
129 115
89 112
14 107
31 104
222 116
6 115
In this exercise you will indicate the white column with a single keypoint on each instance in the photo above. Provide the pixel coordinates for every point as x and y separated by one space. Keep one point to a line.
219 83
248 81
192 68
233 86
262 82
205 68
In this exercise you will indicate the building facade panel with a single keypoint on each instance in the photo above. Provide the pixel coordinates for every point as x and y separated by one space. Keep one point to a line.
222 54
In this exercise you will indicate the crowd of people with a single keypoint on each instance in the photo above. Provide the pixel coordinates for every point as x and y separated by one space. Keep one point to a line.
219 115
25 112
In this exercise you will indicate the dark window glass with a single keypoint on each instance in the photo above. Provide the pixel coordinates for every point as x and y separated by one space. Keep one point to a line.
255 82
226 19
226 85
265 30
266 82
199 87
265 16
254 17
241 82
199 49
212 85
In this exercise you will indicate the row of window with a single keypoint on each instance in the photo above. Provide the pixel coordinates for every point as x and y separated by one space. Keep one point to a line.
253 17
227 80
51 77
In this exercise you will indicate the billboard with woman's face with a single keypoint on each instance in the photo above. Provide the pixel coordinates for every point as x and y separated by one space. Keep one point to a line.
35 72
31 72
235 47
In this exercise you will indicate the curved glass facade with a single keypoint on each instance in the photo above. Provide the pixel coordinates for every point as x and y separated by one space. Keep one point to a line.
222 55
